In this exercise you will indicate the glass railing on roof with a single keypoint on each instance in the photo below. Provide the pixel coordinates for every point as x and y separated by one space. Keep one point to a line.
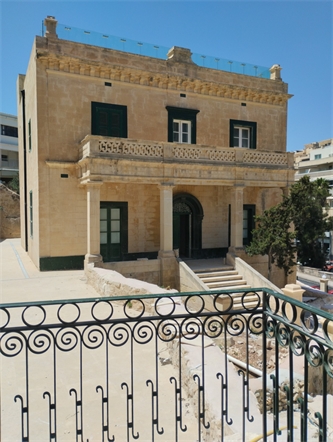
156 51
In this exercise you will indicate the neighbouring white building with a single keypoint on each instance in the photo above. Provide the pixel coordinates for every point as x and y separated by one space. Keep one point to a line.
8 147
316 161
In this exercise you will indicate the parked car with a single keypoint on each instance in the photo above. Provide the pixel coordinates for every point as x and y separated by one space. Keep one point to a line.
328 267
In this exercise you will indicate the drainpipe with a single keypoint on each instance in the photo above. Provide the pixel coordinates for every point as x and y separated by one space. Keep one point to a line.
25 195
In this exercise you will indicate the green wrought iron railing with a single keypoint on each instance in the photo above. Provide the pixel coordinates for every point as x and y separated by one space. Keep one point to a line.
162 367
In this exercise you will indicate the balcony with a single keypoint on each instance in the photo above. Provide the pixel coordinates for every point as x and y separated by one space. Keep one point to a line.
97 147
130 160
9 165
314 174
156 367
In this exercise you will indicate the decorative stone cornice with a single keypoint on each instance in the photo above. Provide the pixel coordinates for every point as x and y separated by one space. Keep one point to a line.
159 80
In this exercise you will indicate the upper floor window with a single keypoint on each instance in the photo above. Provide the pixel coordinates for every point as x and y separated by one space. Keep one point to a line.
317 157
182 125
241 137
182 131
9 131
243 134
109 120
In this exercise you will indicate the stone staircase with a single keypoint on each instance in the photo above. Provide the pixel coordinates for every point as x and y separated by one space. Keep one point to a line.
227 278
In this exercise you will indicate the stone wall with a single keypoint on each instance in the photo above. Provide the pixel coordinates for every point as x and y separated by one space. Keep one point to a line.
9 213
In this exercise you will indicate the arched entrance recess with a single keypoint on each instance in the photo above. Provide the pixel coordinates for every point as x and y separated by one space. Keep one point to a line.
187 225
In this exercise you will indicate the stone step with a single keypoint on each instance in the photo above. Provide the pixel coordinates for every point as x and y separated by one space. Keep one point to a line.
208 274
233 287
216 278
223 284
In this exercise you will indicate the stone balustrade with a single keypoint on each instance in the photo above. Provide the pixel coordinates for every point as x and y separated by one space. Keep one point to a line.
108 147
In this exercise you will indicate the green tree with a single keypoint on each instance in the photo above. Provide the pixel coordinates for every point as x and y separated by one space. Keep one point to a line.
308 201
14 184
294 226
274 237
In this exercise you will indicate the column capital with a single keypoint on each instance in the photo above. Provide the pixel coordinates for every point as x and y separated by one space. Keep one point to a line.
93 183
162 186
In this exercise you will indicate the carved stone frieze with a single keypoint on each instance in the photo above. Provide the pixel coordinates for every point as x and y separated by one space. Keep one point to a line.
158 80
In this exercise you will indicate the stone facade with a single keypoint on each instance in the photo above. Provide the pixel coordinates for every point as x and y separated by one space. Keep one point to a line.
158 188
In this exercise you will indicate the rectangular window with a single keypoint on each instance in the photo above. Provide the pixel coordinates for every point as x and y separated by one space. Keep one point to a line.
182 131
248 223
9 131
109 120
182 125
4 158
241 137
317 157
31 214
29 136
243 134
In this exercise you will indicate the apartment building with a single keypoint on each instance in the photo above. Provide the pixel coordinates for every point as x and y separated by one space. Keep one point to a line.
316 161
8 147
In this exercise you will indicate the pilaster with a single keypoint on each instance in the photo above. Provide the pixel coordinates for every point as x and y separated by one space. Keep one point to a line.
93 222
236 237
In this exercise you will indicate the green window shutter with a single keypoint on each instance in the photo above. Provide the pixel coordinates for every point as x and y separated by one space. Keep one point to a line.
29 135
109 120
31 213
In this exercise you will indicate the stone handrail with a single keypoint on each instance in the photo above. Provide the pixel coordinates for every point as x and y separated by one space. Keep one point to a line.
102 147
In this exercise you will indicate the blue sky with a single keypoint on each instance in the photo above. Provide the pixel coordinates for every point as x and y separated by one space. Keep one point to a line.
297 34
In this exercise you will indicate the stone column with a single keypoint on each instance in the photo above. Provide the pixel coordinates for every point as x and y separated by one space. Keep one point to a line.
93 222
236 237
169 271
166 213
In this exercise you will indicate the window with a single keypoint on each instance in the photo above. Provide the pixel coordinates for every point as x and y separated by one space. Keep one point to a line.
9 131
29 135
4 158
109 120
31 214
243 134
182 131
248 223
317 157
182 125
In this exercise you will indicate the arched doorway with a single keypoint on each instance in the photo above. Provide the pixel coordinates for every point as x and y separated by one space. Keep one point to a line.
187 225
